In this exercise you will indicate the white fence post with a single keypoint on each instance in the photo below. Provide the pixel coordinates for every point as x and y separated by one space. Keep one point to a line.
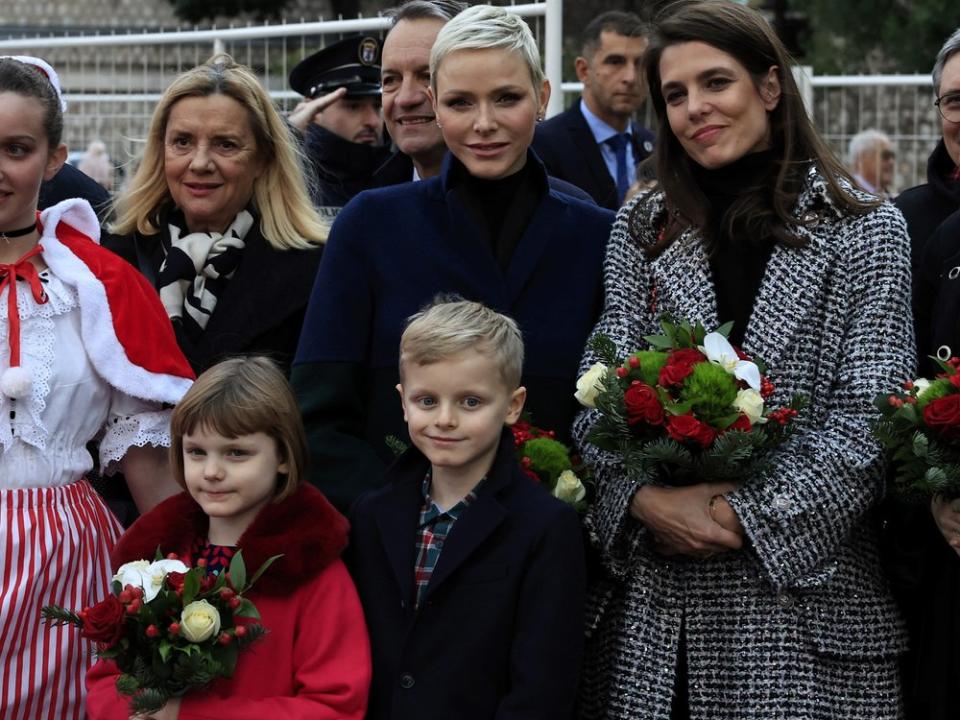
553 53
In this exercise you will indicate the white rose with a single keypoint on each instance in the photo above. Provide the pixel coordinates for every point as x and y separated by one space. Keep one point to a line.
148 576
589 384
569 488
750 403
199 621
921 384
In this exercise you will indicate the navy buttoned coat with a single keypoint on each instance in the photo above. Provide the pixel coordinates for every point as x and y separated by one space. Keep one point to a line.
499 632
391 251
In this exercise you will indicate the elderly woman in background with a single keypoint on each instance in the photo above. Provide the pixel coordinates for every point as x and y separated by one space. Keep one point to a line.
218 217
491 227
761 599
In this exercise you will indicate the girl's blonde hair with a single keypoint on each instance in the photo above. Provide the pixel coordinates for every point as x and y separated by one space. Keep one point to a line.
280 194
243 396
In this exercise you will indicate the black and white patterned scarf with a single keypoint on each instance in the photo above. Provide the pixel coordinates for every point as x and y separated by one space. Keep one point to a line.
197 268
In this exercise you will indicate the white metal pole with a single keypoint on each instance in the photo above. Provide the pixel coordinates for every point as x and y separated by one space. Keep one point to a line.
553 53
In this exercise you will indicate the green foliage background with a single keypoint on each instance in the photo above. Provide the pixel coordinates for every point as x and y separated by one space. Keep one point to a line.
890 36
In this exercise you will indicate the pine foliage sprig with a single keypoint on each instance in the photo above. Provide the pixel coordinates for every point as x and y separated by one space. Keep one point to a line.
59 616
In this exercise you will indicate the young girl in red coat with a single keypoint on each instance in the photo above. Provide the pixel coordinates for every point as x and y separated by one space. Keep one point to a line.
239 449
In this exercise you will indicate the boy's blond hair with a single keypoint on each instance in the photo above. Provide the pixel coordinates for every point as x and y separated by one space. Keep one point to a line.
447 328
243 396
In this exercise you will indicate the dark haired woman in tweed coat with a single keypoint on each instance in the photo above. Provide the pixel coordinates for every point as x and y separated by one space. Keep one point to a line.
761 599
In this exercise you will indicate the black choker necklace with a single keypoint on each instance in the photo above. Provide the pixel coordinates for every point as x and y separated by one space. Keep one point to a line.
7 235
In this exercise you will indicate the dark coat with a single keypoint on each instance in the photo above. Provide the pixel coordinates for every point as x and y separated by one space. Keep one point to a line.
390 253
499 633
398 168
570 152
69 182
926 206
342 168
261 311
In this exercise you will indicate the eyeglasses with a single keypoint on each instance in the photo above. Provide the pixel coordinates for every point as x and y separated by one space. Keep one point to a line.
949 106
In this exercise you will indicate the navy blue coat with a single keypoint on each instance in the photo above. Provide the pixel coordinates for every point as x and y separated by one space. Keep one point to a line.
391 251
499 632
570 152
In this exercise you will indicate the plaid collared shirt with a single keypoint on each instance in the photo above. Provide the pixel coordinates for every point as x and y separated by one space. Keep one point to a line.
432 531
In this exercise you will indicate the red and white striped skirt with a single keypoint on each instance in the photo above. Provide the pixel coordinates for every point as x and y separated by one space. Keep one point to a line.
54 550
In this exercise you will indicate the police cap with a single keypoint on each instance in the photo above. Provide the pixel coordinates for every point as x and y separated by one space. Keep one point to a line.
353 63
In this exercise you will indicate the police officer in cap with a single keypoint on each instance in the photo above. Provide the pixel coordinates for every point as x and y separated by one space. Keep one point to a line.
340 118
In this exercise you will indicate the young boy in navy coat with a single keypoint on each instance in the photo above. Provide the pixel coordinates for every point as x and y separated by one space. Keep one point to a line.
471 575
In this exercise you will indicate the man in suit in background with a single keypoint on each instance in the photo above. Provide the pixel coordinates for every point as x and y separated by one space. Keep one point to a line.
596 144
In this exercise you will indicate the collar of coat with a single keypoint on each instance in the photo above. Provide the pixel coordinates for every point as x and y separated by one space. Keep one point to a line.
305 528
813 203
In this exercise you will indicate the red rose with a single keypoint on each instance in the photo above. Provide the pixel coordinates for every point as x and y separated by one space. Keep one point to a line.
955 379
943 415
686 356
686 427
175 580
679 365
741 423
674 374
643 405
103 623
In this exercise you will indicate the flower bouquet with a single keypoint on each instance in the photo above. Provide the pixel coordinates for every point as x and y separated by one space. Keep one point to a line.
690 405
169 628
546 460
921 428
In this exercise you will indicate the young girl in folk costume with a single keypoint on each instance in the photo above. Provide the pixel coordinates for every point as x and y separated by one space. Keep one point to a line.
240 451
85 351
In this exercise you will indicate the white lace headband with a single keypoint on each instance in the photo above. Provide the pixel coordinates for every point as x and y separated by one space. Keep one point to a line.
47 69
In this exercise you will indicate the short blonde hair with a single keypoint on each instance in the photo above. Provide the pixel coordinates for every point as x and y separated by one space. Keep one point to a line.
487 27
280 194
243 396
450 327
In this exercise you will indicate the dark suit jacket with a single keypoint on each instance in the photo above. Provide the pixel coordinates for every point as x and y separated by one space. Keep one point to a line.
391 251
499 633
261 310
569 151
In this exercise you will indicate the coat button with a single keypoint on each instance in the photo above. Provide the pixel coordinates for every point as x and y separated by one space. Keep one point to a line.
784 600
781 503
407 681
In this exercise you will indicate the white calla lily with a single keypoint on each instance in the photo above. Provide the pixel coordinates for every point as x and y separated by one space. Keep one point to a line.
719 350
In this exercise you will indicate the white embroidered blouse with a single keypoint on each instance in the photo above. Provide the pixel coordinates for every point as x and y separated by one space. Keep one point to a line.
43 436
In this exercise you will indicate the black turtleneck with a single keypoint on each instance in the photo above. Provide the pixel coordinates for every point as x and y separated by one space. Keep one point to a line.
502 207
737 262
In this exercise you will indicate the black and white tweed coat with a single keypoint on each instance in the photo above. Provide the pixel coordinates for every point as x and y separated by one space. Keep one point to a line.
798 625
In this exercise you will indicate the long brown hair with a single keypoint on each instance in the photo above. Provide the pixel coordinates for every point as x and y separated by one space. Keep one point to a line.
765 210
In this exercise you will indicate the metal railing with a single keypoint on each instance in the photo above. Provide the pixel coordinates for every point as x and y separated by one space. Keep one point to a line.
112 82
899 105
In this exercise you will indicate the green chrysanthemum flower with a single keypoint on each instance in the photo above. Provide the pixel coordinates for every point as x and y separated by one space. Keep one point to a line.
651 361
938 389
548 457
710 390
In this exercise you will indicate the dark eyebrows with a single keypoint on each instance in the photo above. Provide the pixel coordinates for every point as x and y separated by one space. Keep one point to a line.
701 76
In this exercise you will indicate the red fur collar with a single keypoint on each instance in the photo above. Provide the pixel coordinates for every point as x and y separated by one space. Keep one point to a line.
305 528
